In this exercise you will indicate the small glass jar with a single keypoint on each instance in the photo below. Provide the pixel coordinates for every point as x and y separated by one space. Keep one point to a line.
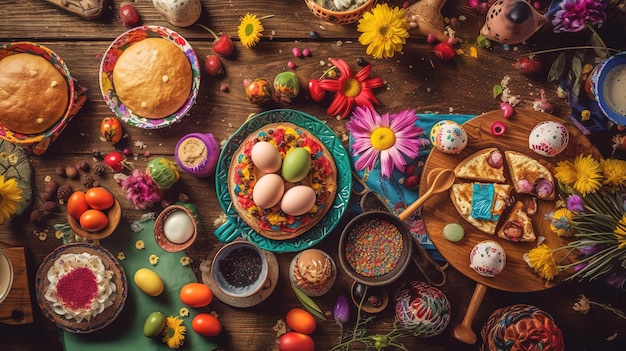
197 154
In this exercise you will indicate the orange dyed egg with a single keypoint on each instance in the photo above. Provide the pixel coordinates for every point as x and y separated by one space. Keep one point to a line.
111 130
93 220
99 198
301 321
196 294
77 204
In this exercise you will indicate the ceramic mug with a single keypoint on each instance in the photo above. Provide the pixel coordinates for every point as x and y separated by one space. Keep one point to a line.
240 269
608 85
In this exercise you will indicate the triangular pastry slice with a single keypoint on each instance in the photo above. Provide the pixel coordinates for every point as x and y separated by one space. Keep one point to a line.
529 176
518 225
481 204
486 165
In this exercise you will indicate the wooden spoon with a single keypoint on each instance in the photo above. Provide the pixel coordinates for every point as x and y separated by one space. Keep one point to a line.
442 182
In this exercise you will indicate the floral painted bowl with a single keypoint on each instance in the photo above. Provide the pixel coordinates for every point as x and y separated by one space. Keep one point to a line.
608 84
59 64
323 10
107 86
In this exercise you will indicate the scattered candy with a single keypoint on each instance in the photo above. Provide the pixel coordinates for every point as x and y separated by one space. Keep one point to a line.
306 52
373 247
291 64
507 109
498 128
296 52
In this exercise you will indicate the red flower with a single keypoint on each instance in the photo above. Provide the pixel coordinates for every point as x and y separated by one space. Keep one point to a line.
351 90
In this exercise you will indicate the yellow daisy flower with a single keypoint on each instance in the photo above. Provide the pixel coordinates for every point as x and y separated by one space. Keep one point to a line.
10 198
565 173
174 332
561 222
250 30
614 171
183 312
140 245
541 260
154 259
121 256
384 30
588 174
185 260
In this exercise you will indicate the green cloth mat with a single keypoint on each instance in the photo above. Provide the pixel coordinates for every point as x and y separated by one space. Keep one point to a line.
126 332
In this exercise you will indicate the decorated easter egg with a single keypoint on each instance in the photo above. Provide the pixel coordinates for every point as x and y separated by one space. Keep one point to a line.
286 83
548 138
487 258
422 309
448 136
513 324
259 91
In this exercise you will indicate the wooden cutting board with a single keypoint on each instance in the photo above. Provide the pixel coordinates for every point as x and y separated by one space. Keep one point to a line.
439 210
17 308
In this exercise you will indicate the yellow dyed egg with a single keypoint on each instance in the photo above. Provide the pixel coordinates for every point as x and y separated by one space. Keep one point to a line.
296 165
148 281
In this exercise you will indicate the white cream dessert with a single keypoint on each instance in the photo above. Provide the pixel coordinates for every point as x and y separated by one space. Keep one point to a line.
80 286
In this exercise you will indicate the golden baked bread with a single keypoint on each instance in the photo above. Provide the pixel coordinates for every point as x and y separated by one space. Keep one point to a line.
526 173
153 78
477 166
34 95
243 176
517 226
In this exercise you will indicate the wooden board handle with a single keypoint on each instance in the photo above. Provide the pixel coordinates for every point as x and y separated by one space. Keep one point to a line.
463 332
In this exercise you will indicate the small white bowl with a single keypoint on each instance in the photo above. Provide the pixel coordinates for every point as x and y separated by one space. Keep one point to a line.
6 275
237 258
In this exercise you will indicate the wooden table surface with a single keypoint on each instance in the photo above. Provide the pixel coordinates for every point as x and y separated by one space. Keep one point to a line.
414 79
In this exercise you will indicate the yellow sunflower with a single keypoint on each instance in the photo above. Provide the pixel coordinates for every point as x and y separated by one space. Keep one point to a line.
10 198
561 222
565 173
384 31
250 30
174 332
614 171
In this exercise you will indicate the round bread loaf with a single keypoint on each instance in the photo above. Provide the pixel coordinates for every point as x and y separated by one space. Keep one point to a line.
34 95
152 78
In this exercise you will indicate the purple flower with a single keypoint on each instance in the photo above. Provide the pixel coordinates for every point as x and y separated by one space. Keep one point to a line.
588 248
575 203
341 312
616 280
575 14
141 189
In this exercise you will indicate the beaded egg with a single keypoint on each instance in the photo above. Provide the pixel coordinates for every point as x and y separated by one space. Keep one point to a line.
422 309
448 136
259 91
286 83
548 138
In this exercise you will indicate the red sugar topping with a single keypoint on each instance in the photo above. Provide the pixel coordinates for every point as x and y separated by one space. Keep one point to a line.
77 288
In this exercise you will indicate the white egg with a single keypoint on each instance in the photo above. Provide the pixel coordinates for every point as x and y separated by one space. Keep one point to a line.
178 227
548 138
268 190
298 200
488 258
266 157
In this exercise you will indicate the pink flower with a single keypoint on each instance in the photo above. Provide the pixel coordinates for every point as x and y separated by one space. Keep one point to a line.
141 189
575 203
574 15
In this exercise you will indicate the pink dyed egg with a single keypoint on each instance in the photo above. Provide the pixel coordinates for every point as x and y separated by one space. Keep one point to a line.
548 138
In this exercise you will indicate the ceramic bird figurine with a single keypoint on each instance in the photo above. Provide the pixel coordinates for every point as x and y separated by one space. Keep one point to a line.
425 18
511 21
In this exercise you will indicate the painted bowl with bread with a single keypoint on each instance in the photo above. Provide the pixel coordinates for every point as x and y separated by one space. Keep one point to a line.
36 93
296 140
81 287
150 77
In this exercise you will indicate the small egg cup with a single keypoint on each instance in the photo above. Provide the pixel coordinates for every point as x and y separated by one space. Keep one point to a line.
115 216
159 233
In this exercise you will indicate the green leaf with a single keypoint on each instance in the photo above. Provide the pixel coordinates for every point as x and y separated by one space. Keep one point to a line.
557 68
307 303
497 90
577 68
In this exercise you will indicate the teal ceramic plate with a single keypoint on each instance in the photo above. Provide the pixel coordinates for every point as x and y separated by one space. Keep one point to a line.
236 227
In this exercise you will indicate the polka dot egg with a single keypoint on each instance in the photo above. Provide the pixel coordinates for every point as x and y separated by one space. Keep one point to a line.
548 138
448 136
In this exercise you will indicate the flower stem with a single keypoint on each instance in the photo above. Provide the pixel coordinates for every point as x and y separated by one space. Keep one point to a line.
595 33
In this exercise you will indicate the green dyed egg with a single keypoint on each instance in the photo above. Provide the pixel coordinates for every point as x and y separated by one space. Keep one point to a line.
453 232
154 324
296 165
286 83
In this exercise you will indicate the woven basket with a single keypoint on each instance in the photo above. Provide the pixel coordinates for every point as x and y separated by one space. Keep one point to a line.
345 17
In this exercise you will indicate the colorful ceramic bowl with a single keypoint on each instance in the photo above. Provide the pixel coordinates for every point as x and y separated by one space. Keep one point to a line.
175 228
107 85
608 84
240 269
59 64
322 9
